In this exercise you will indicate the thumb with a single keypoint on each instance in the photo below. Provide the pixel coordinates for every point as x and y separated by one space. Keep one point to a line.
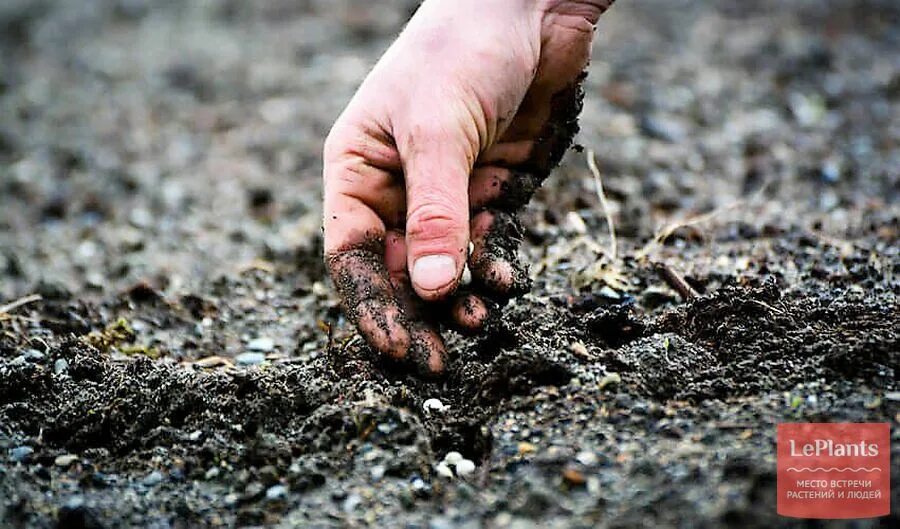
436 165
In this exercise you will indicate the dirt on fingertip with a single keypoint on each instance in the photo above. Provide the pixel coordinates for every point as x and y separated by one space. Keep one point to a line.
174 355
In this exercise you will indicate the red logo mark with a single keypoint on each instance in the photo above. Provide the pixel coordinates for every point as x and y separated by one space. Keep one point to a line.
834 470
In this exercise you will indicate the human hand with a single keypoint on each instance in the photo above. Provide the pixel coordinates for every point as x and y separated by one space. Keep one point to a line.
448 136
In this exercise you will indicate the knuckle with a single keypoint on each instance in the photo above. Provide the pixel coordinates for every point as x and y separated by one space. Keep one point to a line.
578 14
433 221
435 131
335 143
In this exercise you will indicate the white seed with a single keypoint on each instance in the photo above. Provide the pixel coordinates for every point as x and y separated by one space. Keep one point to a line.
576 223
466 277
452 458
431 405
443 470
465 467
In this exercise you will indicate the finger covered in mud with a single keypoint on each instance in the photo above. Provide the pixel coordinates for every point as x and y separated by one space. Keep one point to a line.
502 188
510 172
504 184
382 308
496 269
472 314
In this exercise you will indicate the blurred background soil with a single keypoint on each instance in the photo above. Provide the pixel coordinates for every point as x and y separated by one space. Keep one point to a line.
187 365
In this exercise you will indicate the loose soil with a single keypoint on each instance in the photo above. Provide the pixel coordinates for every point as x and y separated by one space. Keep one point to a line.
188 364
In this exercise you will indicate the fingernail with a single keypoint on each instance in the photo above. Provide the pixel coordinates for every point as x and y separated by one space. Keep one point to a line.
433 272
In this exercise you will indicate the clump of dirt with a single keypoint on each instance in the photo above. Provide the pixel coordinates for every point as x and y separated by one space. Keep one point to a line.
189 364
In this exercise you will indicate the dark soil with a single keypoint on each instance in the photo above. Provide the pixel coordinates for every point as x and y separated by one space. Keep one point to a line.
188 365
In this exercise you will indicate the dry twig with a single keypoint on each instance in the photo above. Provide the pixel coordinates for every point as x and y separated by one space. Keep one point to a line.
674 280
607 212
13 305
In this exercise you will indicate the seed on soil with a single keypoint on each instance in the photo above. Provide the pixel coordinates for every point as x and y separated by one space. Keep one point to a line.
443 470
465 467
576 223
213 361
452 458
434 405
466 277
250 359
65 460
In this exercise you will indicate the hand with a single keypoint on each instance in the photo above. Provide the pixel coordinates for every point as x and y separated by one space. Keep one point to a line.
448 136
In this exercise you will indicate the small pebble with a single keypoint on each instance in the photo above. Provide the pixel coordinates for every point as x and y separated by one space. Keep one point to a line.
60 366
250 359
465 467
351 502
892 396
262 345
434 405
212 473
526 448
320 290
661 128
152 479
276 492
573 476
609 293
195 435
386 427
254 491
579 349
377 472
33 355
586 457
20 454
609 380
441 522
419 486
